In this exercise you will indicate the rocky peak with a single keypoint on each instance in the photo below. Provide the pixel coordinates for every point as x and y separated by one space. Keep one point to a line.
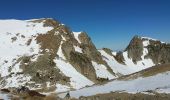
135 49
148 48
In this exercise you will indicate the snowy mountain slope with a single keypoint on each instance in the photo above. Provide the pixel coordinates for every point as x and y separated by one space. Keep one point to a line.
77 80
14 38
102 72
158 82
137 56
45 54
129 67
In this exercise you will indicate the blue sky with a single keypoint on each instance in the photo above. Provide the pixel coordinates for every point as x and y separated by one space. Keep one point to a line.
109 23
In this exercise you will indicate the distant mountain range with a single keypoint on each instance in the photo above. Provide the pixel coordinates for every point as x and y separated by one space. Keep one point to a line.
47 56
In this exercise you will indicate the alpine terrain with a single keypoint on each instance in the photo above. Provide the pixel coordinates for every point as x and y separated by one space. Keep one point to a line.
45 56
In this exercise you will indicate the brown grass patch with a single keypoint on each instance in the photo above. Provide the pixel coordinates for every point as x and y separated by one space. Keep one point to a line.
156 70
147 72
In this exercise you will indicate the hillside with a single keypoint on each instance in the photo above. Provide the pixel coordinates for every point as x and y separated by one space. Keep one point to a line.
47 56
146 81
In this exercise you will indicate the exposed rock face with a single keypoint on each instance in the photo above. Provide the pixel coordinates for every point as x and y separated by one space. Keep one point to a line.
135 49
83 64
119 57
67 48
159 52
90 50
156 50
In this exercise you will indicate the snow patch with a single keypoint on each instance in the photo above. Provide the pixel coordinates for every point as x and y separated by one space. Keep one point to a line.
16 68
101 71
114 53
63 38
77 80
60 52
78 49
148 38
114 65
61 88
146 43
11 51
16 81
27 28
76 35
142 64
